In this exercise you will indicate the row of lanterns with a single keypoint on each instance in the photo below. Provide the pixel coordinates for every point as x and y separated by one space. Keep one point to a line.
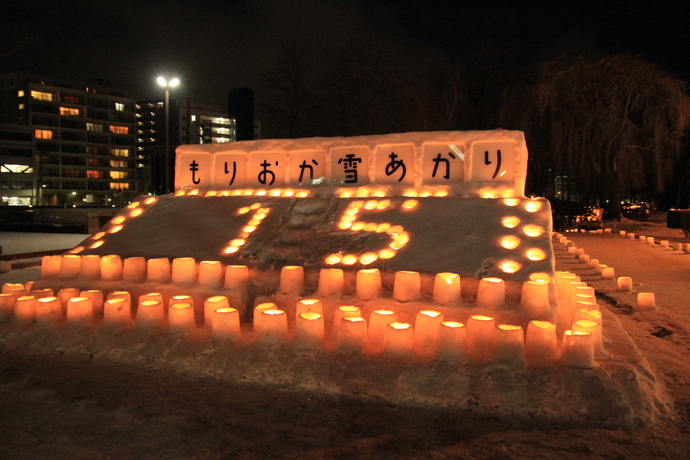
480 339
331 282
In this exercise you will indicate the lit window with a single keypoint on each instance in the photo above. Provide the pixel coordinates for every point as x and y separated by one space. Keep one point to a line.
193 117
118 164
20 93
119 185
119 129
119 107
95 174
21 106
19 169
118 175
94 127
41 96
68 111
119 152
43 134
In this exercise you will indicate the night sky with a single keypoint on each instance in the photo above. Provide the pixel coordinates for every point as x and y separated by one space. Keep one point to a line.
215 45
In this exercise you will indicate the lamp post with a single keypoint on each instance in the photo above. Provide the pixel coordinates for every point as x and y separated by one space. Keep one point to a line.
167 84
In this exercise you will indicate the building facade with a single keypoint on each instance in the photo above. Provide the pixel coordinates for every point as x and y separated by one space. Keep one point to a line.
83 140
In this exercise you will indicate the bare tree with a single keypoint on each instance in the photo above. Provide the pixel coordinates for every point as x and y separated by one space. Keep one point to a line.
613 125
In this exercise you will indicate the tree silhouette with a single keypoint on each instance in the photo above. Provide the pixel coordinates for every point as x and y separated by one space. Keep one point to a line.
604 126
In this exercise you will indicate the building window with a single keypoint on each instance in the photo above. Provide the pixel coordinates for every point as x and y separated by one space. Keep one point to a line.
21 106
119 152
119 107
119 129
118 174
20 93
119 185
95 174
18 169
70 99
94 127
69 111
118 164
43 134
41 96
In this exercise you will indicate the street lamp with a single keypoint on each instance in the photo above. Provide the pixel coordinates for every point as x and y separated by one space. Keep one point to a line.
167 84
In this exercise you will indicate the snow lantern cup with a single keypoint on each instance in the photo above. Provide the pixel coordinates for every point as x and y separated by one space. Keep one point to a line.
48 311
342 312
378 321
291 279
447 288
451 341
352 334
426 328
111 267
181 318
510 344
274 328
212 304
331 282
116 313
407 286
646 301
541 343
225 324
398 340
481 336
368 283
577 350
159 270
309 332
150 315
79 311
184 270
491 294
211 273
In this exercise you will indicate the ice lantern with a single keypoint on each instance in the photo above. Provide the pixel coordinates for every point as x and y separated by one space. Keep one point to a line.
481 336
308 330
184 270
426 328
352 334
398 340
225 324
541 343
447 289
368 283
111 267
181 318
407 286
331 282
291 279
491 294
274 328
79 311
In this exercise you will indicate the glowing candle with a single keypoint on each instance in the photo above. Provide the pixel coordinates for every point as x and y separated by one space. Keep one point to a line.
368 285
225 324
96 297
48 311
308 331
181 318
258 318
117 313
491 294
157 296
588 314
291 279
90 266
451 340
631 236
79 311
150 315
7 305
212 304
50 266
426 327
642 238
447 288
64 295
70 266
377 326
608 273
622 233
481 336
593 263
159 270
16 289
600 268
534 299
646 301
594 328
561 281
352 334
134 269
398 339
331 282
274 331
625 284
407 286
184 270
584 258
664 244
309 305
541 343
677 246
25 309
576 349
111 267
650 240
211 273
340 313
510 344
579 252
236 276
121 295
572 250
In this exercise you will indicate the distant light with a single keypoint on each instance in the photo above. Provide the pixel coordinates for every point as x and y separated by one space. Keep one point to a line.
168 84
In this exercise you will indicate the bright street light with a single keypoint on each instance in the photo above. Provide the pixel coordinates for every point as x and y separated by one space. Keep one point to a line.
167 85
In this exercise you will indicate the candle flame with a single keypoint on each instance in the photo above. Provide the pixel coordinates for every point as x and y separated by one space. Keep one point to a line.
510 221
510 242
533 230
400 326
430 313
452 324
536 254
511 201
310 316
532 206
